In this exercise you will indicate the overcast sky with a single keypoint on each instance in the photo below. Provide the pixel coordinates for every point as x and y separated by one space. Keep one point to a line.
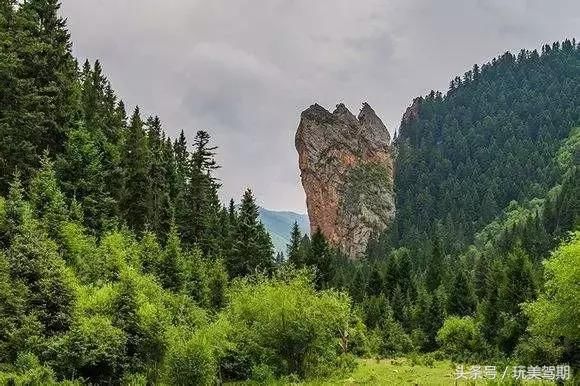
245 69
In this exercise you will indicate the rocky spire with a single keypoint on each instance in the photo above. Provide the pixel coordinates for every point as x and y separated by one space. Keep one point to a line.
346 167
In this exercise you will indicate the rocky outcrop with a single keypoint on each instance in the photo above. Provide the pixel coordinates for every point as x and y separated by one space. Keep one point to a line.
346 166
412 111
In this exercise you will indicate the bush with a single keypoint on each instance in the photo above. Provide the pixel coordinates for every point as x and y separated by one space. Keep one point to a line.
190 360
394 340
555 313
537 349
93 348
28 371
459 337
195 357
285 324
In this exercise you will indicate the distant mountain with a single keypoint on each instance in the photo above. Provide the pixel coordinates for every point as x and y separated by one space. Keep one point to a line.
279 225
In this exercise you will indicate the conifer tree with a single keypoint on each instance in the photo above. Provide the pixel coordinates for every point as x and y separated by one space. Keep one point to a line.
179 182
46 198
34 262
136 160
520 284
82 173
294 252
170 270
319 256
435 267
461 300
160 209
375 284
125 317
40 99
201 199
253 250
434 320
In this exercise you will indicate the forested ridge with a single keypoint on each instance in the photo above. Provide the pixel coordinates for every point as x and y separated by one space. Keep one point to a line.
491 139
119 264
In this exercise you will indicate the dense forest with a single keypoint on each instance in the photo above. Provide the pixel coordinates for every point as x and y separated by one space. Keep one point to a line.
119 264
463 157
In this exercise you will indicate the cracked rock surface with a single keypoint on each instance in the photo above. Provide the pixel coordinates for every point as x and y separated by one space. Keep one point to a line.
346 165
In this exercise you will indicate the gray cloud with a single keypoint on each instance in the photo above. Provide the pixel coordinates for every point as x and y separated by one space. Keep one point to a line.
245 69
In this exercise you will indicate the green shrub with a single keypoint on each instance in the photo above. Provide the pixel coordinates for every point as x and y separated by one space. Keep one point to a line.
92 349
459 337
285 324
262 373
554 315
188 361
194 357
538 349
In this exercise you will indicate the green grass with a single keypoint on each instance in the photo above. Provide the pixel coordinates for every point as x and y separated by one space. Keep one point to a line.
396 372
399 371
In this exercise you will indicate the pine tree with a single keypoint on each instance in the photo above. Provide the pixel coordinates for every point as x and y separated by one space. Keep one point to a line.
178 185
40 87
35 262
375 284
82 173
201 200
170 270
520 285
435 267
17 211
460 299
319 256
126 318
294 252
253 250
136 160
400 305
433 321
160 209
46 198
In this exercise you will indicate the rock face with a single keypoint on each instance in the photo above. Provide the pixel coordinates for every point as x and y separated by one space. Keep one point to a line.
346 165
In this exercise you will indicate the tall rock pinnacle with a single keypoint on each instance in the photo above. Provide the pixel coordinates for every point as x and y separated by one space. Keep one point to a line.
346 165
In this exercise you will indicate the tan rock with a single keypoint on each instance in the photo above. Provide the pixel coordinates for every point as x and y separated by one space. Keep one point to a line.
346 165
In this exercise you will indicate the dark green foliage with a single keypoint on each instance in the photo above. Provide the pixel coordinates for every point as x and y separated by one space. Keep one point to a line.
490 140
171 263
200 223
38 76
295 253
35 263
160 209
435 267
461 300
46 200
93 349
136 196
319 256
252 250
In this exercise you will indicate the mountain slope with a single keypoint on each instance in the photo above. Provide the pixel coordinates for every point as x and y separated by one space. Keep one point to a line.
464 156
279 226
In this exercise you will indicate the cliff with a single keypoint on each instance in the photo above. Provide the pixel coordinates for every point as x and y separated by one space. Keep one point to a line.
346 165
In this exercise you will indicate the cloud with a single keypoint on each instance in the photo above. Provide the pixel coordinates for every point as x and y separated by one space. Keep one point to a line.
244 70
